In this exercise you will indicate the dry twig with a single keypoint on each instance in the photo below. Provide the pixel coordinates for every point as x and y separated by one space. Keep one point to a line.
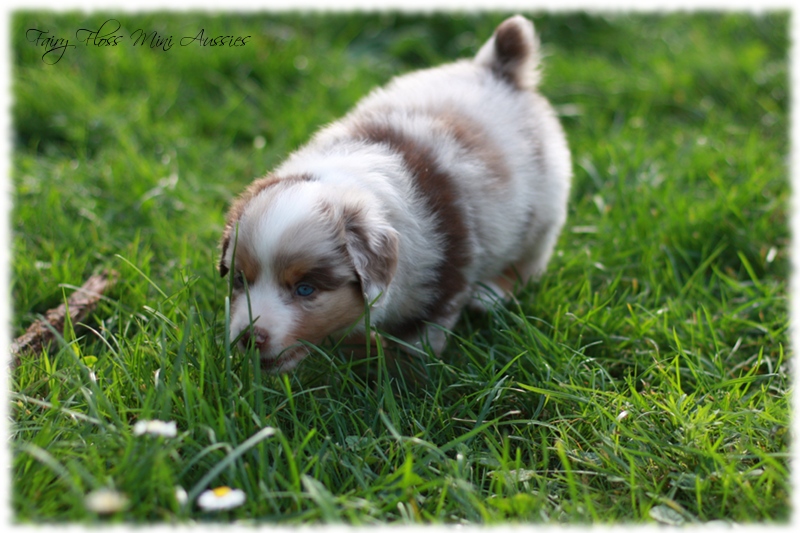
79 305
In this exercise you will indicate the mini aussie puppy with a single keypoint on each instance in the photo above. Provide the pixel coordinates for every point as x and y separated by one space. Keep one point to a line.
445 188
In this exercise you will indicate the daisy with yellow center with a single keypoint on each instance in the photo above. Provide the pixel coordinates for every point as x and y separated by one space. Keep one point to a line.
221 498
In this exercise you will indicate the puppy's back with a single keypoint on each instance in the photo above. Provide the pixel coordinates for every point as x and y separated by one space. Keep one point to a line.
481 122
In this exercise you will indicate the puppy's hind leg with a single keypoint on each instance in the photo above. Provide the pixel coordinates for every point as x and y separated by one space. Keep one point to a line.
500 289
530 267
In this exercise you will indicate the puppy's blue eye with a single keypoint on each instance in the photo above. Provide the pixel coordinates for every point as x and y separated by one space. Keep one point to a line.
304 289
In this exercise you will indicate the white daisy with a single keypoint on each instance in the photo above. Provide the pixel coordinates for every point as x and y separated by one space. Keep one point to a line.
106 501
180 496
155 427
220 499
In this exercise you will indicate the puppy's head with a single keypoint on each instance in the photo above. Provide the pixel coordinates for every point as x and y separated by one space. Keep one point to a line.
304 259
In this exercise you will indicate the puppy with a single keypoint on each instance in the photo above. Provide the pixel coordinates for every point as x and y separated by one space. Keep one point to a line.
445 188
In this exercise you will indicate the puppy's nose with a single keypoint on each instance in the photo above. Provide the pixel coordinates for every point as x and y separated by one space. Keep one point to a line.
258 336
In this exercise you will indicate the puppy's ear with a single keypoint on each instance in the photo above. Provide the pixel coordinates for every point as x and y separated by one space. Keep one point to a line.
223 268
373 246
512 53
226 242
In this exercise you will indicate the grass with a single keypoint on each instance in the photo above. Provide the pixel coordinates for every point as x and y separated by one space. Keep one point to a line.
644 378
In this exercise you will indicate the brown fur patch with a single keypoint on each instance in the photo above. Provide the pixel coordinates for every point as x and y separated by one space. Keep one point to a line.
438 190
323 274
330 312
247 263
475 140
292 274
326 278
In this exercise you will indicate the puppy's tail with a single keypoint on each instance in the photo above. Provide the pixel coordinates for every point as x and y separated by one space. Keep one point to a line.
512 53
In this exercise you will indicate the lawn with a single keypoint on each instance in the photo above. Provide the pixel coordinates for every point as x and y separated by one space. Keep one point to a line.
643 379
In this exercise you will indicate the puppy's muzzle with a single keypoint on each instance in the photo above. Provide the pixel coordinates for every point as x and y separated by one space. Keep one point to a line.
258 337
